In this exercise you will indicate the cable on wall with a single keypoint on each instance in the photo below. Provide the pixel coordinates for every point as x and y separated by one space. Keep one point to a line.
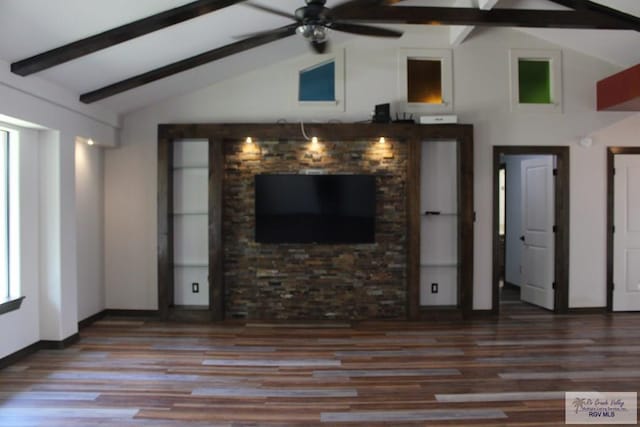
304 134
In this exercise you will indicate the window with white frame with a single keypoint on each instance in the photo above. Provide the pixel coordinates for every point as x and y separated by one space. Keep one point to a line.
425 80
536 80
320 82
10 286
5 290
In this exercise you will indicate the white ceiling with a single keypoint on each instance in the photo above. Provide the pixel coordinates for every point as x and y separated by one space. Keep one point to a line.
29 27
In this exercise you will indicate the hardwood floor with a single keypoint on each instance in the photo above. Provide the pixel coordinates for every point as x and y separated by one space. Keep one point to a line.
512 371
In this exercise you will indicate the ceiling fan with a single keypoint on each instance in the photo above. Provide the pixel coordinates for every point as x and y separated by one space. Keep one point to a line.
314 20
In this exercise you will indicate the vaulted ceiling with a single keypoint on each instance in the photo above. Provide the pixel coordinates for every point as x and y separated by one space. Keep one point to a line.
125 56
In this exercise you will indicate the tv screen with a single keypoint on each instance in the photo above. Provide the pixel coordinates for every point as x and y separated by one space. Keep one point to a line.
315 208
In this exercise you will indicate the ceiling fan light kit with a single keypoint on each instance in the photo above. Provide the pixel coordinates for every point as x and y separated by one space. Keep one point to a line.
313 33
315 20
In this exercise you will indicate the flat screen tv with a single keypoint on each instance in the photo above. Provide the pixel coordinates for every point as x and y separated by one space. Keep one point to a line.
315 208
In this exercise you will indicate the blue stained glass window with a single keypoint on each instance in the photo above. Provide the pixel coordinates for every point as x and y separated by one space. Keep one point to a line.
318 83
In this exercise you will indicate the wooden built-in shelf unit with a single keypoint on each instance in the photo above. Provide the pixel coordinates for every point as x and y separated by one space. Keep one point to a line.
410 134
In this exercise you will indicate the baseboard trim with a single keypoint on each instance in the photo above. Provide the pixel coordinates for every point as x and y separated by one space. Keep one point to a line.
484 313
588 310
132 313
91 319
40 345
19 355
152 314
59 345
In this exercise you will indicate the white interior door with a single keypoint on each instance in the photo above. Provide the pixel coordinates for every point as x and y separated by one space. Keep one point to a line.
626 239
537 232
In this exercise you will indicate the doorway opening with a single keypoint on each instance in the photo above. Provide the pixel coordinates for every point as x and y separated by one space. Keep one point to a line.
531 227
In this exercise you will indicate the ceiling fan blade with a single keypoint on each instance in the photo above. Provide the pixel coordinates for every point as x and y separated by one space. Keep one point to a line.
270 10
365 30
257 34
319 47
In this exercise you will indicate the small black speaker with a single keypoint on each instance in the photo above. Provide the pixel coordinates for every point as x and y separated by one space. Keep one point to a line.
382 113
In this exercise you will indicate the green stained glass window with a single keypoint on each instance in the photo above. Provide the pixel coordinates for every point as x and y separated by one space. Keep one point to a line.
534 81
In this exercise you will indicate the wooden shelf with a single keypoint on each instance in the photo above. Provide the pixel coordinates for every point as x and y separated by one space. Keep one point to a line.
190 264
438 264
188 213
191 307
205 167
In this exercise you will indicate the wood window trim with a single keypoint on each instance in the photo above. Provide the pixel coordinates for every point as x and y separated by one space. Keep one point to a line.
411 134
11 305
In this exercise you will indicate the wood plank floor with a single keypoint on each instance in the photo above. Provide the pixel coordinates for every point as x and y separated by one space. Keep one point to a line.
512 371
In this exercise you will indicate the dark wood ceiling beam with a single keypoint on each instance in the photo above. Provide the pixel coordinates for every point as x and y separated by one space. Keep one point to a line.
117 35
370 11
470 16
186 64
632 21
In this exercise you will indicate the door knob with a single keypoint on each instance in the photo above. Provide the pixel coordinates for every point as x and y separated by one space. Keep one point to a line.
522 238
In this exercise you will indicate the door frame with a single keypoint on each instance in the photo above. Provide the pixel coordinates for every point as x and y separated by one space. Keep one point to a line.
611 152
561 215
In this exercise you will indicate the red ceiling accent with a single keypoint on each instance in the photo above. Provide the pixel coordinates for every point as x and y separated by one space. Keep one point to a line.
620 92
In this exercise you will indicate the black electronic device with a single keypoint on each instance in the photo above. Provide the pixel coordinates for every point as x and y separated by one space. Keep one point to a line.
315 208
382 113
405 118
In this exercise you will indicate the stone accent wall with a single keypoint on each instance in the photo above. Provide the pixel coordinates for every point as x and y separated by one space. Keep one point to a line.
313 281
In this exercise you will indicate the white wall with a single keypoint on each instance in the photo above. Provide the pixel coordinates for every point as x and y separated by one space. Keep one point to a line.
89 163
49 275
50 236
481 98
589 211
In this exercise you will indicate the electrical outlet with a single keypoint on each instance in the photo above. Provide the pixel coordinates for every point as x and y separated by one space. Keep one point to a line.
434 288
195 287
